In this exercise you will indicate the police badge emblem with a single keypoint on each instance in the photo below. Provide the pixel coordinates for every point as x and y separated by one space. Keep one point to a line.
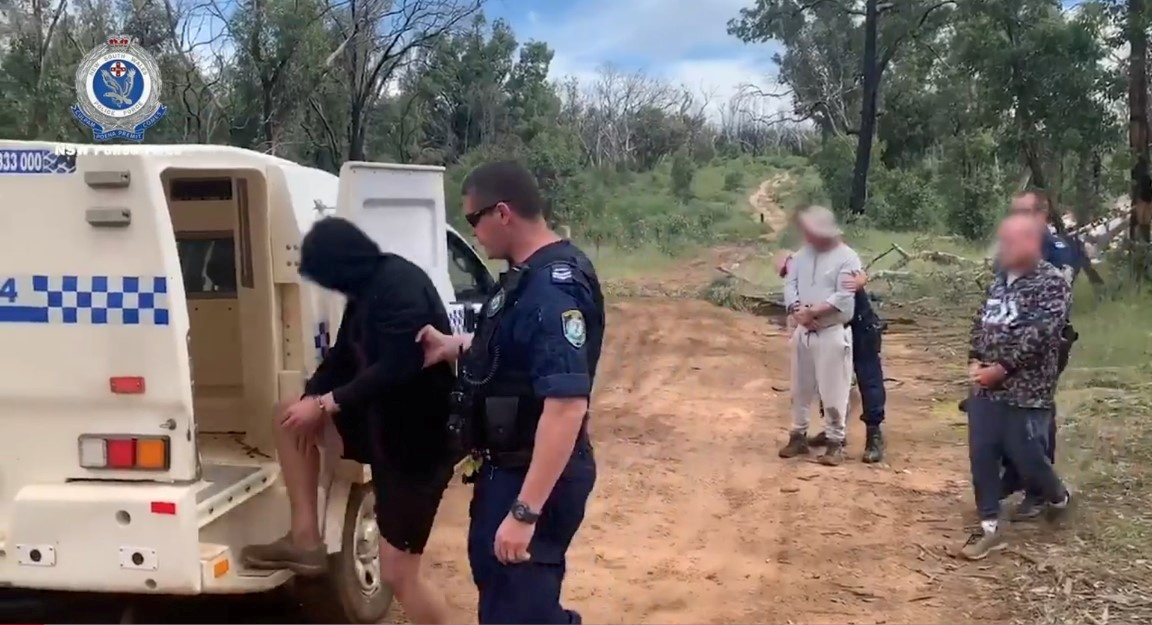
118 90
496 304
574 331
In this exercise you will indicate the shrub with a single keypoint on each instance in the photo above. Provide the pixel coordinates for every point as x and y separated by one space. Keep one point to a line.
733 181
682 172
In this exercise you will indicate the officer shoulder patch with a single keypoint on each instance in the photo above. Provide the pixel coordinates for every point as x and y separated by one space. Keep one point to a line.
1059 244
561 273
574 330
496 303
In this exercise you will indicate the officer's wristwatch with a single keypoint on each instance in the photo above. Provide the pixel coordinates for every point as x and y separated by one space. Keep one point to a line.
521 512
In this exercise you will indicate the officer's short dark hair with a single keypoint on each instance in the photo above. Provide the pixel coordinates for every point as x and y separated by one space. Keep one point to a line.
508 182
1039 196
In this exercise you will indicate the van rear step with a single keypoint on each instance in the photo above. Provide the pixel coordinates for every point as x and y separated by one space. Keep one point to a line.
225 486
223 573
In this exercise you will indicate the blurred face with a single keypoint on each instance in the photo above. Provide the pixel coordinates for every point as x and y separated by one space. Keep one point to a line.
1029 205
1020 242
492 225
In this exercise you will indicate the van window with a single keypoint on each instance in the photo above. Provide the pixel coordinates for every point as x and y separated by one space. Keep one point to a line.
200 189
208 262
471 281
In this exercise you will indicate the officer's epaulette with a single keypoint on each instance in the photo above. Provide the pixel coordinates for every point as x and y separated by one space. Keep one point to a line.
562 272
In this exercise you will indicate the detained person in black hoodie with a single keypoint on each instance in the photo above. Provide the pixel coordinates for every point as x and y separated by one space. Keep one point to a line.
371 400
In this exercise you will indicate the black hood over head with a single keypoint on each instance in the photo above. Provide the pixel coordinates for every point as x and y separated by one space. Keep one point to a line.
338 256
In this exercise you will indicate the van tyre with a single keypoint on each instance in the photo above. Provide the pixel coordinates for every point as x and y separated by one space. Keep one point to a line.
352 591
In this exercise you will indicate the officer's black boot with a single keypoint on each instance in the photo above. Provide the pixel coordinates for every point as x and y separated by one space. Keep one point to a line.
873 445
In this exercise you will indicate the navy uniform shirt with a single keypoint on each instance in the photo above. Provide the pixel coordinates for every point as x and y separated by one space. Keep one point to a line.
1059 254
547 332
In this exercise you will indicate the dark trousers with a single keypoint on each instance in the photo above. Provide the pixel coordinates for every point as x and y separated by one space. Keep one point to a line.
1012 481
527 592
996 430
866 344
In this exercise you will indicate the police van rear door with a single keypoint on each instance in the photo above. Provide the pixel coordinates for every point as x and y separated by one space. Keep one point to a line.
401 207
93 326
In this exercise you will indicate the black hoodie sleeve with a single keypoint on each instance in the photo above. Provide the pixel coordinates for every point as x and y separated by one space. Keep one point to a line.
397 309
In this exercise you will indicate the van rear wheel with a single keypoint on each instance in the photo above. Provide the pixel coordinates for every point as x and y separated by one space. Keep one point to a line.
352 591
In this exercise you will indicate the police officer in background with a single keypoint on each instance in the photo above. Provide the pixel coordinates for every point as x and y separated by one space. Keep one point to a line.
526 379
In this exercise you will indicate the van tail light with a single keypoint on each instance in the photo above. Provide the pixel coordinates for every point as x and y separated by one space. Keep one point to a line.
145 453
126 385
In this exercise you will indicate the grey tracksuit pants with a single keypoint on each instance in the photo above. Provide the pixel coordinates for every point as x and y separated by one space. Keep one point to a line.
821 370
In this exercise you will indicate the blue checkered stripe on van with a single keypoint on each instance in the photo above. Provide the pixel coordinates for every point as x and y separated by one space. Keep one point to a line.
322 340
456 317
85 300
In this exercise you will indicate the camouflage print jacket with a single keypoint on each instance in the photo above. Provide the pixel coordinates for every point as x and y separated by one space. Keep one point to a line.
1019 327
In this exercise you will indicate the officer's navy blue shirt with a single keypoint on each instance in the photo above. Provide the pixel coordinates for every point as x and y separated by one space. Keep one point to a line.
1057 252
546 333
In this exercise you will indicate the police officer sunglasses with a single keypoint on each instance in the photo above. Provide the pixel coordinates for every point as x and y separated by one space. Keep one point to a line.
474 217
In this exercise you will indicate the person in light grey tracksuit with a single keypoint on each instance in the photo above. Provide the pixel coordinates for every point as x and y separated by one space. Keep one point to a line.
822 307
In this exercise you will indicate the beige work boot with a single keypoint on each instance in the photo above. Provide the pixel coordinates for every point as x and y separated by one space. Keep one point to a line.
283 554
797 445
833 454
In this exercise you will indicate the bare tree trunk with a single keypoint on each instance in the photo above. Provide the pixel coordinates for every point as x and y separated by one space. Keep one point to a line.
870 71
1140 217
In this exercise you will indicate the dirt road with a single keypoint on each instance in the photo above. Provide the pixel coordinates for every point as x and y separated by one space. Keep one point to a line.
765 206
696 520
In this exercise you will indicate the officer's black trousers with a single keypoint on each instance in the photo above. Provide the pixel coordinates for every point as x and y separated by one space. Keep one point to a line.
869 373
528 592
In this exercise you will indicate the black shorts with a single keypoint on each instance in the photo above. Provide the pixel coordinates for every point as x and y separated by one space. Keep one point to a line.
406 503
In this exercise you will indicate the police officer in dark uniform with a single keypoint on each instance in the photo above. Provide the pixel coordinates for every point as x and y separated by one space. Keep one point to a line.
522 405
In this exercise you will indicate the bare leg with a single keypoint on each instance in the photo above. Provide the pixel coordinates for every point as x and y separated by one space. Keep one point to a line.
300 466
302 550
422 602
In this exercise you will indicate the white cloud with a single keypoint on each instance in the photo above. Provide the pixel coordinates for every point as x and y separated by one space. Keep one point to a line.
682 41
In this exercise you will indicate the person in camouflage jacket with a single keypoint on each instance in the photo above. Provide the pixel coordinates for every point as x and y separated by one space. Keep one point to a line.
1013 366
1019 328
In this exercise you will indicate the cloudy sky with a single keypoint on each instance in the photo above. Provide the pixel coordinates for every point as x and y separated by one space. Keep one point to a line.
684 41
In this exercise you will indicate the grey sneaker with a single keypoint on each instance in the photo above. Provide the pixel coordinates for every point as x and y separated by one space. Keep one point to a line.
981 543
797 445
282 554
1029 508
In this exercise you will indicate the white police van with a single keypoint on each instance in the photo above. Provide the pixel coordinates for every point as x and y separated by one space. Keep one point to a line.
151 317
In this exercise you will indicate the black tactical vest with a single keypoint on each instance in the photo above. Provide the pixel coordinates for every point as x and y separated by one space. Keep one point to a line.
505 408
